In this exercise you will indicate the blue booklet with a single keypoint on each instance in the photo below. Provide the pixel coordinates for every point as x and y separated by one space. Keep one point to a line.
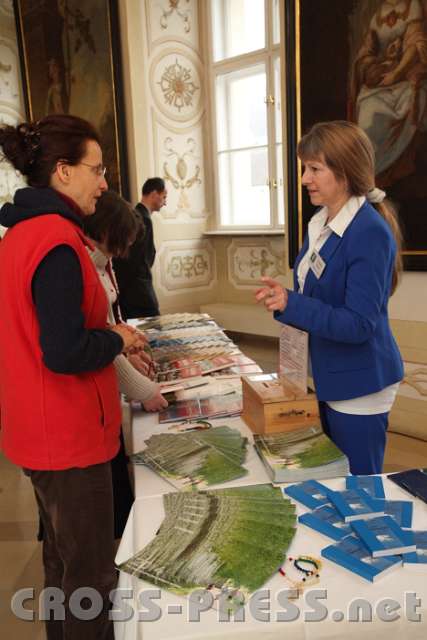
383 536
352 554
372 485
310 493
356 504
413 480
400 510
327 520
418 557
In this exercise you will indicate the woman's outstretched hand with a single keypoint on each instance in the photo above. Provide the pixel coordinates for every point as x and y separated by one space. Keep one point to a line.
272 295
156 403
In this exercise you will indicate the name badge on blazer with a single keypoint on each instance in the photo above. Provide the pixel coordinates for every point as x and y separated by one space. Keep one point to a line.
317 264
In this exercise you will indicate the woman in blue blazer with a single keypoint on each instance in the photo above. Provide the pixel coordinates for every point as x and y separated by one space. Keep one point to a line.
343 277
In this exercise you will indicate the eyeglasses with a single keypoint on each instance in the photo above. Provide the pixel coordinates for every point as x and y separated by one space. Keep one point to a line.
98 169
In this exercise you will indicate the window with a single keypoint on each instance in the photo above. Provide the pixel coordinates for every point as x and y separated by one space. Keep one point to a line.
245 73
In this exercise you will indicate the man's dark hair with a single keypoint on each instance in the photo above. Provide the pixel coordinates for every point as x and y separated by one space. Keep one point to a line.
153 184
114 223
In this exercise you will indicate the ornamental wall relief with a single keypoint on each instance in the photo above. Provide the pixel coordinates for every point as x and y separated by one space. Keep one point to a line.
186 264
176 6
172 20
176 85
250 260
179 160
182 171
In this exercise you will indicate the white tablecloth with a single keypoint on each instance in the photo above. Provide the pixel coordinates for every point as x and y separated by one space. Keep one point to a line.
342 586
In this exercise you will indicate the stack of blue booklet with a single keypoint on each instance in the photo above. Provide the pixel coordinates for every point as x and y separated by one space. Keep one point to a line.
352 554
371 534
417 558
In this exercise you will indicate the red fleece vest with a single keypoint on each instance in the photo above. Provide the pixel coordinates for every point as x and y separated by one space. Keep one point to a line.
50 420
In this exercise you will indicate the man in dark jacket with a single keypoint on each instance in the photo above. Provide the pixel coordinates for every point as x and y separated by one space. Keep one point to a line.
137 296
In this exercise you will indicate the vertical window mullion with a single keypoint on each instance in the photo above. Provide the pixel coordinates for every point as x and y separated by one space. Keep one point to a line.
271 138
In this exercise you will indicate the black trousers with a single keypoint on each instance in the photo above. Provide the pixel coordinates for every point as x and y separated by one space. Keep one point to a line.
122 490
76 510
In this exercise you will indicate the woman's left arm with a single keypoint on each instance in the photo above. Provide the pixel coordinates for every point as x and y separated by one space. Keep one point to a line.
367 284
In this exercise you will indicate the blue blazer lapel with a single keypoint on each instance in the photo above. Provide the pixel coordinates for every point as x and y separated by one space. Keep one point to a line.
326 252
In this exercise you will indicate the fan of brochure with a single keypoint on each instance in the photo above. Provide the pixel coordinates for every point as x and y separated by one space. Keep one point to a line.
170 321
196 459
230 540
301 454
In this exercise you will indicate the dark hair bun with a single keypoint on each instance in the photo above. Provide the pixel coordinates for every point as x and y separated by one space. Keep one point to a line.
20 145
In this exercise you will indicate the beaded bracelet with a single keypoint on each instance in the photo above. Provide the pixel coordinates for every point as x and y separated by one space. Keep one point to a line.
310 577
308 560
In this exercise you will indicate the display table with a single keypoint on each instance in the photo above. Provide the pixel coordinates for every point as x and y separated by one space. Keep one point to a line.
341 586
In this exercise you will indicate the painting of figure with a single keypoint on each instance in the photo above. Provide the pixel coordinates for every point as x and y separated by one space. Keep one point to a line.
379 81
73 70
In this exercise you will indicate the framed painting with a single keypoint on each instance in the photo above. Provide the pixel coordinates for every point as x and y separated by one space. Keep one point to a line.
70 60
365 61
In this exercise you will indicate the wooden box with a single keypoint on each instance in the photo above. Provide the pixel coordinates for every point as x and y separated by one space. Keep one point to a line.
272 404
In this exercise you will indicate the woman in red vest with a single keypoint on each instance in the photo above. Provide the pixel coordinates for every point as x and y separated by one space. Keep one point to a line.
60 410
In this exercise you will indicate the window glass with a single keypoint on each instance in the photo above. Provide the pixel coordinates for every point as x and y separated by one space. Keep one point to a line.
238 27
241 108
243 189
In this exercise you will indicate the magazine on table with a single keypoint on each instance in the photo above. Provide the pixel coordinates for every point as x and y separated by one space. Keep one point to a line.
195 459
217 406
229 541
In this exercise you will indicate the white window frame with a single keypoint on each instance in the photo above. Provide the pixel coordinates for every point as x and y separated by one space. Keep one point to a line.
266 56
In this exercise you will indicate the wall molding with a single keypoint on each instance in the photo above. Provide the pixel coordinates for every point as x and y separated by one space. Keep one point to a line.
251 259
186 265
175 79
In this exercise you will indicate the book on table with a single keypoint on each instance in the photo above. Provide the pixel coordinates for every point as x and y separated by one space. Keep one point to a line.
304 453
417 558
328 521
310 493
353 555
414 481
400 510
372 485
383 536
356 504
